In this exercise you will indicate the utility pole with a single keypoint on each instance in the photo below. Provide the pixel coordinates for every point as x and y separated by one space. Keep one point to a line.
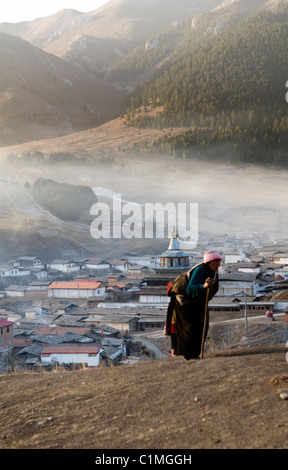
246 319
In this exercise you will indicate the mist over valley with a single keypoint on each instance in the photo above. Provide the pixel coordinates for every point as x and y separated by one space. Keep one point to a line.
240 200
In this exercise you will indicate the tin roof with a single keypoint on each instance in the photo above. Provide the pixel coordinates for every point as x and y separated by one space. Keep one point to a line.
75 285
71 348
174 254
5 323
174 244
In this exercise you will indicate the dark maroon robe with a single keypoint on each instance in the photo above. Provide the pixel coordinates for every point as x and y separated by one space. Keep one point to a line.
189 310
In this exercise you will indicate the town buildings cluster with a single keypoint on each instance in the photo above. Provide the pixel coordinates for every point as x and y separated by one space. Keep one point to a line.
89 310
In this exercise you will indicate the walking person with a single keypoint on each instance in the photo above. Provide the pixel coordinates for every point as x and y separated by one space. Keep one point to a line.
188 308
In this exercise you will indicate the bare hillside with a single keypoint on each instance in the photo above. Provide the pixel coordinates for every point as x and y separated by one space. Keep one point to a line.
229 400
43 96
117 19
111 138
97 40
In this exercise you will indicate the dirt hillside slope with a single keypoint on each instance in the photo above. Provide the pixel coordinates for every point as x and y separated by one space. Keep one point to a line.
229 400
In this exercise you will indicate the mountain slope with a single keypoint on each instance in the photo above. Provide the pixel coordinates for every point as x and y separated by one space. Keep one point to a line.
96 40
228 13
214 72
230 85
169 48
118 19
43 96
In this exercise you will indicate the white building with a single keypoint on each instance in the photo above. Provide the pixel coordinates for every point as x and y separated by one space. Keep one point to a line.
97 264
156 295
29 261
88 354
76 290
248 268
145 260
120 265
234 258
280 258
234 283
65 266
13 271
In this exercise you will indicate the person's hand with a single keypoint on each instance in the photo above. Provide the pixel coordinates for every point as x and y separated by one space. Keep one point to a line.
208 283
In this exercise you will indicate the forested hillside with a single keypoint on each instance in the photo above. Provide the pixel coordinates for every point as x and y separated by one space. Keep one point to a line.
227 88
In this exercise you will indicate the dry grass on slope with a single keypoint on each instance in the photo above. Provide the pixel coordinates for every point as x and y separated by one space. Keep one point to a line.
228 400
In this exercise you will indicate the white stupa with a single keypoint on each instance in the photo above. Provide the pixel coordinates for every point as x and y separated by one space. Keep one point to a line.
174 256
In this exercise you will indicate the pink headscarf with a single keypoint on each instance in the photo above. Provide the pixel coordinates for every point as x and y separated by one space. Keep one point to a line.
210 256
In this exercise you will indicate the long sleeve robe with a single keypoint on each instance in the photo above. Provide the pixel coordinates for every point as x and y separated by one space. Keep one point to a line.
188 302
